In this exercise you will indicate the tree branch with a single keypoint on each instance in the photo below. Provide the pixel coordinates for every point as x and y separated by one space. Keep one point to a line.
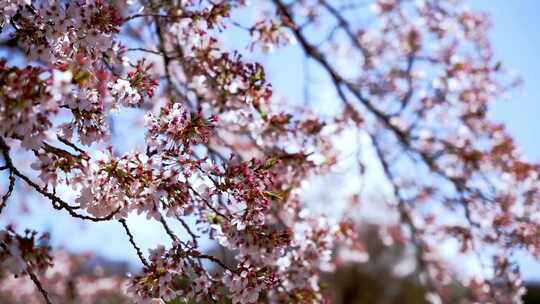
132 242
42 290
56 201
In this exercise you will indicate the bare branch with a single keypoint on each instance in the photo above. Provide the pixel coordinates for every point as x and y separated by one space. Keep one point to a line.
132 242
42 290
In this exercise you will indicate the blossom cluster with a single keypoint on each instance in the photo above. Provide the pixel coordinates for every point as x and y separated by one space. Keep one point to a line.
23 254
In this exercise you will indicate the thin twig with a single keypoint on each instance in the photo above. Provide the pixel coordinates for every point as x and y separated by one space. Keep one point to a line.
168 229
8 193
39 287
189 231
56 201
215 260
132 241
404 214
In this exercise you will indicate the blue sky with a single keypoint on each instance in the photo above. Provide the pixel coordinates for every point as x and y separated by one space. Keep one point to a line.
516 41
516 38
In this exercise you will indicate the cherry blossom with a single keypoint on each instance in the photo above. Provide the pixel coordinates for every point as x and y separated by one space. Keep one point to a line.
222 155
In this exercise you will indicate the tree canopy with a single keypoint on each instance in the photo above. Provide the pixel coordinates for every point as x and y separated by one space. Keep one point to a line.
166 109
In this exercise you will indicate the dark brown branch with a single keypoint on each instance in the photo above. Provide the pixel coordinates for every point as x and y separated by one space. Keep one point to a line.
138 49
215 260
56 201
168 229
132 242
55 150
42 290
194 237
344 25
207 203
162 50
184 14
8 193
404 214
72 145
